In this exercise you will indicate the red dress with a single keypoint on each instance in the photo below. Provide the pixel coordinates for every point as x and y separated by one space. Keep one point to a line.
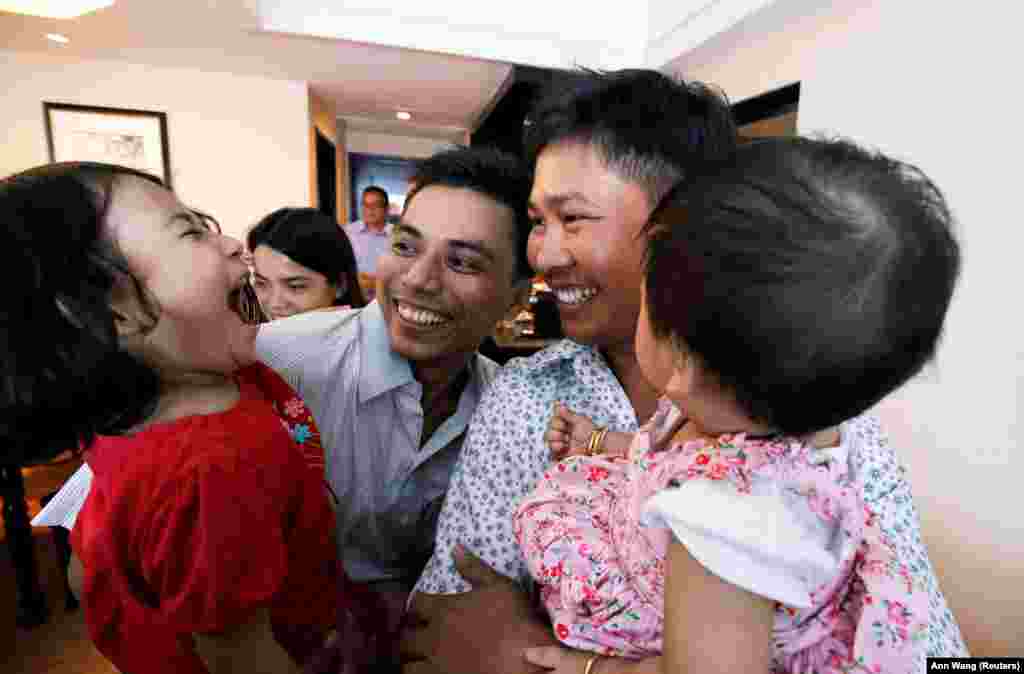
192 525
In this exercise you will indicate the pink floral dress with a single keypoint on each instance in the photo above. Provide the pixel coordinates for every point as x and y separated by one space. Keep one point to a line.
774 516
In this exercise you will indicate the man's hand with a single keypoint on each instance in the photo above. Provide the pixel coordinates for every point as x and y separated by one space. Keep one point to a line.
483 631
249 647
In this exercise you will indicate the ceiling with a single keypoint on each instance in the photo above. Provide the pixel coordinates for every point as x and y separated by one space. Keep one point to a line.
444 61
367 84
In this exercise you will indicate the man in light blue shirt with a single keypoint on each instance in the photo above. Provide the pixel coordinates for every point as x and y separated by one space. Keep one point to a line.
369 236
393 386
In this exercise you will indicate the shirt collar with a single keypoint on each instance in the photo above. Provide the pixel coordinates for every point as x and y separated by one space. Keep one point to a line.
455 425
363 228
557 353
586 363
381 369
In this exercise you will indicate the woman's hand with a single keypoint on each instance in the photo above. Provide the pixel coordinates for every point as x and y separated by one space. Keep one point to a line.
562 660
568 433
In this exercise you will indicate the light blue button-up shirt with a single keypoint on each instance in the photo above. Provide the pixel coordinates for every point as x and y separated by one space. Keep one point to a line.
368 408
368 244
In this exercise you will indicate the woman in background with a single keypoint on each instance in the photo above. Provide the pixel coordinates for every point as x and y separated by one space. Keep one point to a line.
303 261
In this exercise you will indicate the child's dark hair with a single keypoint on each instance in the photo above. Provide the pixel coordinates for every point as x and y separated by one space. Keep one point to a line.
64 379
314 240
490 172
812 276
650 129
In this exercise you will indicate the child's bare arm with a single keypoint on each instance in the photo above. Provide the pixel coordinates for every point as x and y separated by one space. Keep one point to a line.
616 444
706 617
570 434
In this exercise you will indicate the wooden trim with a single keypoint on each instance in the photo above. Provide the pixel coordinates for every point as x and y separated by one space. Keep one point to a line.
770 104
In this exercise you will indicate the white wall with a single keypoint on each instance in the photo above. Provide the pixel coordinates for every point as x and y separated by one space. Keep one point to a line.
935 84
535 32
676 26
770 48
392 145
239 146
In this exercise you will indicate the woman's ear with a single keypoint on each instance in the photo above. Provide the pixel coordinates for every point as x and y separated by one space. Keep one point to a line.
341 288
131 319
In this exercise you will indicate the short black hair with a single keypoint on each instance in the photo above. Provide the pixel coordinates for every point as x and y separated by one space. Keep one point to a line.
492 173
314 240
63 377
812 276
377 190
648 128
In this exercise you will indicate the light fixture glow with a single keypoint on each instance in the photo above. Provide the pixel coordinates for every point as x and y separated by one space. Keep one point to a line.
403 115
53 9
57 37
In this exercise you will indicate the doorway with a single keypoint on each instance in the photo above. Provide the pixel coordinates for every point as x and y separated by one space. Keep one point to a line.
326 176
390 173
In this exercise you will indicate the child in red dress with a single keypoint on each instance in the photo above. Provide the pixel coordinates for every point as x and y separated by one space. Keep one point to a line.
131 330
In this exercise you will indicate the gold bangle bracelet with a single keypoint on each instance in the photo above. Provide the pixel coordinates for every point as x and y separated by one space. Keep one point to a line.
594 443
590 664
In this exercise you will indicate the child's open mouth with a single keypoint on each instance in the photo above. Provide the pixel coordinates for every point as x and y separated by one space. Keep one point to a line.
244 302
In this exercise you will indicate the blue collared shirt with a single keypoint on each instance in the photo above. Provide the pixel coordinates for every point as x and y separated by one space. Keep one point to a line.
368 244
367 405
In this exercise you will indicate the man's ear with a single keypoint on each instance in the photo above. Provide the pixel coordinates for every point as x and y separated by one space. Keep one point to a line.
679 385
684 377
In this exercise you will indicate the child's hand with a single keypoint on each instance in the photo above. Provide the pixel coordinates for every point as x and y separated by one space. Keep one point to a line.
568 433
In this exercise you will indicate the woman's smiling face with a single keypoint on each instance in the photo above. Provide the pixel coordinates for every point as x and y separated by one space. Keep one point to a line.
286 288
586 242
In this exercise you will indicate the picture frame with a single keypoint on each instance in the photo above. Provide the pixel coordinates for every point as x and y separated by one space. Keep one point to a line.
133 138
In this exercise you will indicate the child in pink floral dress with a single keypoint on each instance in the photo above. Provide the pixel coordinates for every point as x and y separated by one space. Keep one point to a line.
793 287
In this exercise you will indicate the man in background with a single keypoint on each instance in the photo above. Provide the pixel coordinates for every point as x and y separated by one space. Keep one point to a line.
369 236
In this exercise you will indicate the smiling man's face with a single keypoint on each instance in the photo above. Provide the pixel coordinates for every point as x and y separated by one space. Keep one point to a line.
449 275
586 241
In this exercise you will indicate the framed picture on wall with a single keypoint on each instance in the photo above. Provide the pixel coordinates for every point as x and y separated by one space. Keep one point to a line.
133 138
